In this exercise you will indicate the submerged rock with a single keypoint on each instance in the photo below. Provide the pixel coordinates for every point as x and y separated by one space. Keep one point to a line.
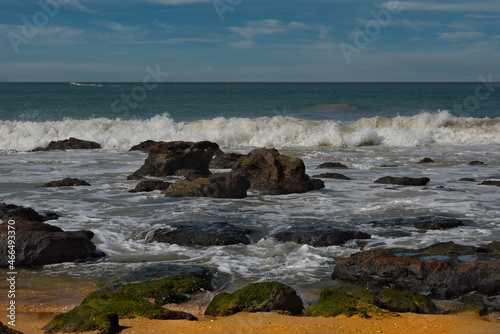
319 235
272 173
12 210
424 223
151 185
256 297
442 271
67 182
476 163
223 160
332 176
467 179
332 165
69 144
189 234
490 183
426 161
222 186
403 181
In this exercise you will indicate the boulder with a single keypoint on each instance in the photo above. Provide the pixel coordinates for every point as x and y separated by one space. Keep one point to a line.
223 160
319 235
256 297
69 144
12 210
424 223
332 176
222 186
403 181
39 243
165 159
467 179
67 182
146 145
490 183
151 185
332 165
477 163
6 330
426 161
272 173
405 301
442 271
190 234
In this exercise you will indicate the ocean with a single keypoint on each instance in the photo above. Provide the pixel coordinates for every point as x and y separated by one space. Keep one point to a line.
365 126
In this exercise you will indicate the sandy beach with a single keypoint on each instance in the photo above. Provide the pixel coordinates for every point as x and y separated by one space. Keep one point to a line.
32 323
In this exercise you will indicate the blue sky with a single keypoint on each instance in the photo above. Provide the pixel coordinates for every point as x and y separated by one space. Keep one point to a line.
249 40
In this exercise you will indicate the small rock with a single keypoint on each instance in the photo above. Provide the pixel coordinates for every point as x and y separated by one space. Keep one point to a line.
152 185
426 161
425 222
69 144
332 176
336 165
476 163
405 301
403 181
490 183
67 182
467 179
223 186
319 236
12 210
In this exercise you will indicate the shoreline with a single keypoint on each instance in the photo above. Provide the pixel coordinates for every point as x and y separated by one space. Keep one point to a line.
263 322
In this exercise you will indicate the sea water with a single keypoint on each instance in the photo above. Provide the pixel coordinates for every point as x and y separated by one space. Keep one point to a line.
365 126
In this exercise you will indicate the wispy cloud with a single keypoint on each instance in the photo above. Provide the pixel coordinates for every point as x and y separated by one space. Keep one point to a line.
460 35
76 4
177 41
177 2
418 25
242 44
488 6
271 27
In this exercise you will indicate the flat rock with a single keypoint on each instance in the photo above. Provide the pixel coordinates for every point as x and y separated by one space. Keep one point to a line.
332 165
150 185
69 144
426 161
403 181
67 182
332 176
467 179
490 183
424 223
319 236
222 186
476 163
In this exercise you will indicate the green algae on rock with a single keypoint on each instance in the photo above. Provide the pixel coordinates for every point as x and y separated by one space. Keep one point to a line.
405 301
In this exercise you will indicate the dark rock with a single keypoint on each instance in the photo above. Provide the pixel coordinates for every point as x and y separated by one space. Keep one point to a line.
223 186
425 223
319 235
336 165
11 210
134 176
332 176
272 173
163 283
388 166
69 144
67 182
405 301
403 181
442 271
467 179
189 234
145 146
476 163
83 319
256 297
223 160
6 330
189 174
165 159
146 186
426 161
490 183
39 243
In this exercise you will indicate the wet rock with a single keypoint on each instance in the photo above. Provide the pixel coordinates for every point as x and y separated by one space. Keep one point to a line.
83 319
467 179
163 283
426 161
332 176
442 271
272 173
134 176
6 330
222 186
336 165
403 181
67 182
475 302
69 144
39 243
165 159
12 210
388 166
151 185
476 163
223 160
190 234
319 235
256 297
405 301
490 183
424 223
145 146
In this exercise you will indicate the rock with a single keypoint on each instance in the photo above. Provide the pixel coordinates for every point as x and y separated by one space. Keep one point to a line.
388 166
190 234
223 186
39 243
100 311
165 159
490 183
134 176
476 303
6 330
424 223
223 160
332 176
256 297
403 181
272 173
146 186
69 144
319 235
67 182
348 301
145 146
477 163
442 271
12 210
426 161
405 301
336 165
467 179
163 283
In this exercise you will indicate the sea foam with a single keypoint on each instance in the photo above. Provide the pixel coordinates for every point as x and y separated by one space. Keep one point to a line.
426 128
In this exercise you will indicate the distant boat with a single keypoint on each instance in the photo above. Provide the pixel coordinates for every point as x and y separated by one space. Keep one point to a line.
83 84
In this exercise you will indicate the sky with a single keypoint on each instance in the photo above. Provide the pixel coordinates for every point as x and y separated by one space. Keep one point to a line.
249 40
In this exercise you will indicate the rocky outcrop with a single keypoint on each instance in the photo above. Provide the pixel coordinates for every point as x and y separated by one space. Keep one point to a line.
6 330
424 223
12 210
257 297
403 181
39 243
490 183
69 144
145 146
223 160
222 186
165 159
319 235
151 185
442 271
67 182
332 176
272 173
190 234
332 165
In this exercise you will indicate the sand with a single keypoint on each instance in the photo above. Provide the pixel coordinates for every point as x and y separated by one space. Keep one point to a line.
32 323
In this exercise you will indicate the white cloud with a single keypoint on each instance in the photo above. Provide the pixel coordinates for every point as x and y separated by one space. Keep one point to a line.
78 5
418 25
271 27
242 44
489 6
177 41
460 35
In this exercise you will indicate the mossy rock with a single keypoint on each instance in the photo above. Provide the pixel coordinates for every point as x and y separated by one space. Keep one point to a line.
479 309
256 297
405 301
348 301
83 319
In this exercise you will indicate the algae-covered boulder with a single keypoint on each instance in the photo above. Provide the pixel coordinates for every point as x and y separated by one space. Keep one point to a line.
348 301
256 297
83 319
405 301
